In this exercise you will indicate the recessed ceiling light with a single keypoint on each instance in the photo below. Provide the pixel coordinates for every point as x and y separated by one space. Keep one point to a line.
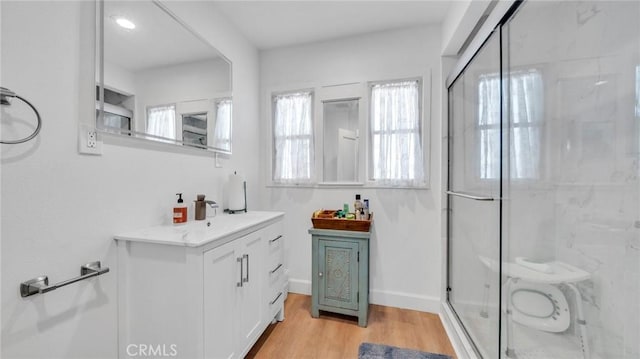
125 23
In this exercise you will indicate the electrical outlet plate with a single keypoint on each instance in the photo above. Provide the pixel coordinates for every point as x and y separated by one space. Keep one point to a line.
89 142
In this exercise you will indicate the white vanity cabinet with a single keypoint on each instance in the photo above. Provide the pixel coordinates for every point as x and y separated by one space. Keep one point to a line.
201 291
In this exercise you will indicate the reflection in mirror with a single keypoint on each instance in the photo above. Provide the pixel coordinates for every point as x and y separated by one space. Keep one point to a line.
194 129
340 154
160 80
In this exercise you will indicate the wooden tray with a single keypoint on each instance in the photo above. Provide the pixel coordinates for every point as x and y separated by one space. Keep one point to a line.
343 224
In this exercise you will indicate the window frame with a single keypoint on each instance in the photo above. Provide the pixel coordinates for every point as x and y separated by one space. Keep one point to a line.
318 90
424 133
272 141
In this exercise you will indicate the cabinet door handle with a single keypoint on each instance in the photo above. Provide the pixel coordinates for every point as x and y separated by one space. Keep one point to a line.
240 260
276 269
246 280
275 239
275 300
320 274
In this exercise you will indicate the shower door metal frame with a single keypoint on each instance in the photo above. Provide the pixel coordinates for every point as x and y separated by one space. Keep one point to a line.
500 14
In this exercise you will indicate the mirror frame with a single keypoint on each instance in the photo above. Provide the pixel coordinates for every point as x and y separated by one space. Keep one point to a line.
141 136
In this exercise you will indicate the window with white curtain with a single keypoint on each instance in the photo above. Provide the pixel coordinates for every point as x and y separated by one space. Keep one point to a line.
638 91
161 121
293 156
222 130
395 128
526 112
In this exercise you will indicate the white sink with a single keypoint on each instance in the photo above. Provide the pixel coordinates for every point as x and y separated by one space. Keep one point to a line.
197 233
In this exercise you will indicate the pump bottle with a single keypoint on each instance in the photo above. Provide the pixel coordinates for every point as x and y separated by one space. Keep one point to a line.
180 211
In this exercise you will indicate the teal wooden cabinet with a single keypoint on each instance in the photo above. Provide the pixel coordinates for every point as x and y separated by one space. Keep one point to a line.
340 273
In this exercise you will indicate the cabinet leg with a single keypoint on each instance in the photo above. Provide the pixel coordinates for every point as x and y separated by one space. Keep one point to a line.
315 312
362 320
280 315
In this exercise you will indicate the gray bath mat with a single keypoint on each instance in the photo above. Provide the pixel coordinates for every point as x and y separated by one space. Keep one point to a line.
381 351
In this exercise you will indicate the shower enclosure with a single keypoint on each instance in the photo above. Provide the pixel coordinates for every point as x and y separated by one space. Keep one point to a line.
543 182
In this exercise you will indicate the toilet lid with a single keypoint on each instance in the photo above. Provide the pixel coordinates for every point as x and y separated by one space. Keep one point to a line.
539 306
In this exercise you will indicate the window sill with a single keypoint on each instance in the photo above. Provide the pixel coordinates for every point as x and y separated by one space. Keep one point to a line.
336 185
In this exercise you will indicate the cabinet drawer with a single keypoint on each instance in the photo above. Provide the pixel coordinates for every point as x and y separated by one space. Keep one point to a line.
275 302
275 244
276 276
273 231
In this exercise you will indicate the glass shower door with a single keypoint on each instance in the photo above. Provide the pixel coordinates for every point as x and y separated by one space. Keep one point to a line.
474 198
571 225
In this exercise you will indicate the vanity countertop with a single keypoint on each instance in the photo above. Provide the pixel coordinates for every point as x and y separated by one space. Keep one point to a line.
198 233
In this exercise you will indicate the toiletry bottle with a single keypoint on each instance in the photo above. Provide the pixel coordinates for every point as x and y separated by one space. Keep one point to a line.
201 208
179 211
357 207
366 209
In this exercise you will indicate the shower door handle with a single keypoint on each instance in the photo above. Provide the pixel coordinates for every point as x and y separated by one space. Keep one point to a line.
470 196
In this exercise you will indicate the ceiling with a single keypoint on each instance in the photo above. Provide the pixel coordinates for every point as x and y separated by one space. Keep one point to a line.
270 24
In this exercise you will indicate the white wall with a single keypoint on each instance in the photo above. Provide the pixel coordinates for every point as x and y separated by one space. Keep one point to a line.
60 209
405 245
198 80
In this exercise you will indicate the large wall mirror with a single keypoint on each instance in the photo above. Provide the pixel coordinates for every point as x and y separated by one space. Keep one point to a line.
158 80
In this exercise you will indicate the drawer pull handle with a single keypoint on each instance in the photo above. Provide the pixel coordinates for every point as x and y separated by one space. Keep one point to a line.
275 300
276 269
275 239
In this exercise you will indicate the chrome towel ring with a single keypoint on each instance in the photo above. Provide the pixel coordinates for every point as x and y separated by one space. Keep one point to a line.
5 93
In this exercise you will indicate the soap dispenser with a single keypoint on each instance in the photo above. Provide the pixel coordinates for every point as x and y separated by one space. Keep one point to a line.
179 211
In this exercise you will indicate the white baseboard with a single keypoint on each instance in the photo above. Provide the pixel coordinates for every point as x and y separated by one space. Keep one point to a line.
411 301
300 286
380 297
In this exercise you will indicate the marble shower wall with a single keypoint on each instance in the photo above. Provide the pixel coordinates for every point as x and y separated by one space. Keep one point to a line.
584 207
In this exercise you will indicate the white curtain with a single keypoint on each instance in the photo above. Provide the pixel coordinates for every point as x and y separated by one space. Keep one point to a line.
525 93
161 121
222 131
395 129
638 91
293 138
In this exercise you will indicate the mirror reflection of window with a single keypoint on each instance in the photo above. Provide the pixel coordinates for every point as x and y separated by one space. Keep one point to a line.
222 131
340 152
161 121
194 129
638 106
526 103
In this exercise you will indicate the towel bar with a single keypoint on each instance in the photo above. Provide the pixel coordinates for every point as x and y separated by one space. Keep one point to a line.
40 285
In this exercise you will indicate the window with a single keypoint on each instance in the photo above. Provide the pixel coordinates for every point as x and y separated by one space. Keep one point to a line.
526 106
292 138
638 91
222 130
161 121
396 154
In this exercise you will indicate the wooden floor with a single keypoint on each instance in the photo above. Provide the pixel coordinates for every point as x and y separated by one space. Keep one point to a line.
339 336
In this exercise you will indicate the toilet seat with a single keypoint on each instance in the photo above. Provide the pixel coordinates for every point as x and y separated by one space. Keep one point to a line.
538 305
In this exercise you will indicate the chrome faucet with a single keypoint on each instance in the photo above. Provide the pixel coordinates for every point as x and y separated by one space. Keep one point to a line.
213 205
